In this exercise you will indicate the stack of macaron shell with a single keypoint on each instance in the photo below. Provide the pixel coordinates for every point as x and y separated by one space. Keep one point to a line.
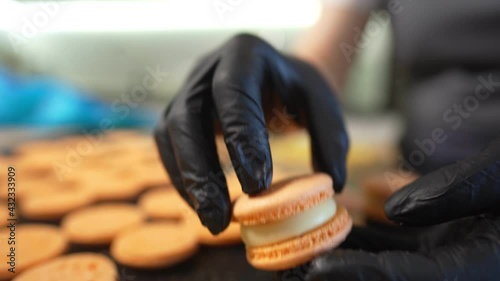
291 222
377 188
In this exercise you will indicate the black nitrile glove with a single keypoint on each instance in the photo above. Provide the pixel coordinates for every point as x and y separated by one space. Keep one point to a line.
237 87
463 197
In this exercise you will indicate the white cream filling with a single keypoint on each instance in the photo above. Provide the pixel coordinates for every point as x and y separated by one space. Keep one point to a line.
265 234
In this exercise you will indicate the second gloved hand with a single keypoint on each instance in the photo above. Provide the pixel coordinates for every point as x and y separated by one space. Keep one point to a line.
237 87
455 235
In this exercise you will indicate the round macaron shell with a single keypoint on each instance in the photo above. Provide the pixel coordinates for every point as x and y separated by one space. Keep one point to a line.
99 224
74 267
35 244
154 245
283 199
163 203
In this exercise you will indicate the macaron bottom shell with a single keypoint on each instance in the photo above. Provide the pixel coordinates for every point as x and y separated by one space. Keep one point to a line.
298 250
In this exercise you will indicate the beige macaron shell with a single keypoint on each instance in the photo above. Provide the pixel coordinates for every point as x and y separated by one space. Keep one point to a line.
34 244
233 186
152 174
98 225
155 245
119 135
230 236
54 204
118 184
74 267
283 199
163 203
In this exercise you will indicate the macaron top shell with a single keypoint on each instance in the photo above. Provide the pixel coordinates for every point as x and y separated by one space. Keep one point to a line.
283 199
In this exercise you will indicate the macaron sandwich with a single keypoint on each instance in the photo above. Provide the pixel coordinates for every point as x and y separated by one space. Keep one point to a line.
292 222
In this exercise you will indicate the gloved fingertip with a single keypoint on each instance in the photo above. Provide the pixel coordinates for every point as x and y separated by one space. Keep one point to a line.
338 176
391 209
339 179
334 167
253 165
215 224
400 209
255 181
212 204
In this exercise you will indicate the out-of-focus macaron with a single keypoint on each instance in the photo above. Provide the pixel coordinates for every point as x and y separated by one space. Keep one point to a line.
378 188
154 245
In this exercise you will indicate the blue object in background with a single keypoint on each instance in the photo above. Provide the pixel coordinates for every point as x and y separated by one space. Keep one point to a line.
44 102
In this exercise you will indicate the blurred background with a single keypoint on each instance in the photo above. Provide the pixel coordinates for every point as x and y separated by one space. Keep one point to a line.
103 50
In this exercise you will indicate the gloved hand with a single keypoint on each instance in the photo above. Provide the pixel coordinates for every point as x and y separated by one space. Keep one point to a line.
465 195
237 87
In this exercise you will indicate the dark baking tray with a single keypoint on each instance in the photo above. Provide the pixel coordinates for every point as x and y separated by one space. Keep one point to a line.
209 264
